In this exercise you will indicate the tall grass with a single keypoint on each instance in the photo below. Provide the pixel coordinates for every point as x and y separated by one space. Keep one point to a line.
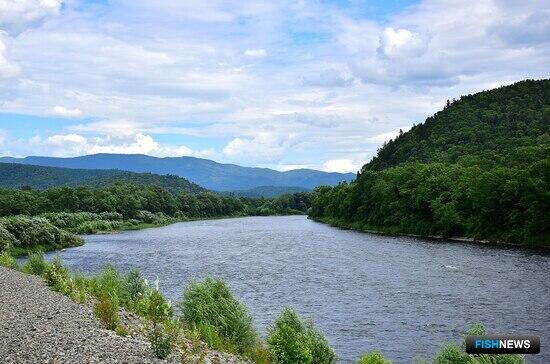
373 357
292 339
223 322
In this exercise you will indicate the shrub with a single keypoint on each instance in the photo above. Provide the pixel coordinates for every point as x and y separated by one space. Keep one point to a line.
162 337
107 312
31 232
6 260
155 307
373 357
210 307
135 285
294 340
110 285
57 277
35 264
6 238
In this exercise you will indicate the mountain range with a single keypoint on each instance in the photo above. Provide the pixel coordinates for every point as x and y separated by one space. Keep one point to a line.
206 173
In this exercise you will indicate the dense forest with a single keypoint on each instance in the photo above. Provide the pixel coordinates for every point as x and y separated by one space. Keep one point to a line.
479 168
32 218
13 175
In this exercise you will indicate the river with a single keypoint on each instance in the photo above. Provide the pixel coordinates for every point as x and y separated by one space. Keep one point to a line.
402 296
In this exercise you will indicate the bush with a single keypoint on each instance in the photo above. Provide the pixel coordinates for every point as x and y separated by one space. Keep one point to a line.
373 357
162 337
35 264
135 285
6 260
32 232
211 308
107 312
155 307
6 238
57 277
293 340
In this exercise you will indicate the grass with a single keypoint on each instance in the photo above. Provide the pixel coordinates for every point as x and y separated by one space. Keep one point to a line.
223 322
292 339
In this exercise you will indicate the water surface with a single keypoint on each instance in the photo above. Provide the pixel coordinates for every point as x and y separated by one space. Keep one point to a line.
399 295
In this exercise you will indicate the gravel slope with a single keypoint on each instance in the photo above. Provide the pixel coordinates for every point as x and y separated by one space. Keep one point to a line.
38 325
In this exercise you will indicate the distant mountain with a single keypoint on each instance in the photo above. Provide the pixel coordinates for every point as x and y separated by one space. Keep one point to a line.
206 173
266 191
13 175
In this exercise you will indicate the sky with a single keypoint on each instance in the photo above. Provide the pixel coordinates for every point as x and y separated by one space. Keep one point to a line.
282 84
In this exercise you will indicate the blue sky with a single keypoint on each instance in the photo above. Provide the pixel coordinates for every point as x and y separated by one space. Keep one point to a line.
282 84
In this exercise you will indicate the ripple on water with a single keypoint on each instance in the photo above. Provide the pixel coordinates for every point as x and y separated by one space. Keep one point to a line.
362 290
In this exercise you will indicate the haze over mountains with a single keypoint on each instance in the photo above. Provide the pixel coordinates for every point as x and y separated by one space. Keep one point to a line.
204 172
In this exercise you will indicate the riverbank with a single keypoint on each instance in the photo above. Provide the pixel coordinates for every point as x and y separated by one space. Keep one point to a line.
40 325
460 239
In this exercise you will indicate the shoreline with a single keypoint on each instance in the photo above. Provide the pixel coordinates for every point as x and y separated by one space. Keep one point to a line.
458 239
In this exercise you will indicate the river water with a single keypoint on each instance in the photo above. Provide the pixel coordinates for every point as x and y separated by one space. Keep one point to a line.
402 296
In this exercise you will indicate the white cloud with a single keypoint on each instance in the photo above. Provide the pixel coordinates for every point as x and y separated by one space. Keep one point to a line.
397 43
255 53
263 147
340 165
329 77
65 112
72 144
7 68
17 15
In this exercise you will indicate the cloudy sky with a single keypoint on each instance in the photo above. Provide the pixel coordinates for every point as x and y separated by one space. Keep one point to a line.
281 84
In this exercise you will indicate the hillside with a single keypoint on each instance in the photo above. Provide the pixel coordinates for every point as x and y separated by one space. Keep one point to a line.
204 172
491 125
14 175
480 168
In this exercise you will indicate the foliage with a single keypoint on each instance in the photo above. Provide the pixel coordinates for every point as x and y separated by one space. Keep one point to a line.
14 175
7 261
222 320
373 357
154 307
162 337
35 232
57 276
107 311
294 340
35 264
480 168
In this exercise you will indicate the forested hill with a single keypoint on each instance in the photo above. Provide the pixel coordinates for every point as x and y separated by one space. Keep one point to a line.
479 168
495 126
14 175
206 173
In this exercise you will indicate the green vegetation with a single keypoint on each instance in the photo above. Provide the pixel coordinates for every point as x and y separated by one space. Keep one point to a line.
13 175
34 220
294 340
222 321
480 168
373 357
23 233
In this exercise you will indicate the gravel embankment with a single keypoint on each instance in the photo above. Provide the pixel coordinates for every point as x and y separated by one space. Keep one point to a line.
38 325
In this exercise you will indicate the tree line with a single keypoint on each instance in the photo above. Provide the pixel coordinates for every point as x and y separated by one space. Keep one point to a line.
480 168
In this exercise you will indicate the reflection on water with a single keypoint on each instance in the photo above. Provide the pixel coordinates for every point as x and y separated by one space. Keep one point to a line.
366 292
